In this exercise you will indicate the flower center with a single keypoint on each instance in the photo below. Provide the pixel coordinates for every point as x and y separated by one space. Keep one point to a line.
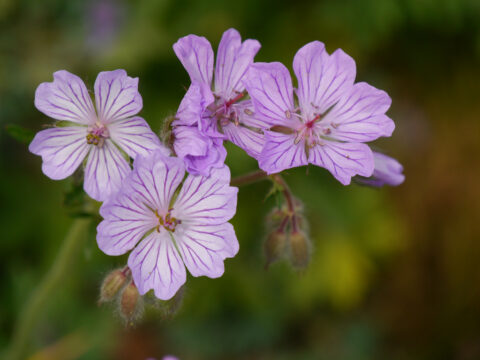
168 222
222 111
97 133
308 133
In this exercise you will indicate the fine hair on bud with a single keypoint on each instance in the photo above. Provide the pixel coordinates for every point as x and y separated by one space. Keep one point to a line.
299 249
112 284
275 246
166 134
130 304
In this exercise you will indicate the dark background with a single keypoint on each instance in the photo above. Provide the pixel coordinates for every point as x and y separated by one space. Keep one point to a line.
394 273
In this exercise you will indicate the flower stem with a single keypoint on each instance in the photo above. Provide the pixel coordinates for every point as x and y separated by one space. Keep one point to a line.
249 178
36 305
258 175
288 197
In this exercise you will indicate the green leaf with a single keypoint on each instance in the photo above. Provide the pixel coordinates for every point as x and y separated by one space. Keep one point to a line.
19 133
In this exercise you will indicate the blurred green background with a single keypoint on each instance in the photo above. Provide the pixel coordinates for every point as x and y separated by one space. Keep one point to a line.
395 272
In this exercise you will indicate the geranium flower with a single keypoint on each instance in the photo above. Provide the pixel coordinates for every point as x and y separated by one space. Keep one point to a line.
218 106
333 119
100 136
167 231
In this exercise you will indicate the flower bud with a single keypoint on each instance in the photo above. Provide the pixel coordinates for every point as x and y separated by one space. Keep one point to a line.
275 246
300 249
131 303
111 285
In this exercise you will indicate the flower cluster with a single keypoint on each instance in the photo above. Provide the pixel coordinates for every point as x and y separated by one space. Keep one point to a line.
170 207
214 111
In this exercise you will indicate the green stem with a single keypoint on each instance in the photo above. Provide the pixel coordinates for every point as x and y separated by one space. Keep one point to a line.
35 306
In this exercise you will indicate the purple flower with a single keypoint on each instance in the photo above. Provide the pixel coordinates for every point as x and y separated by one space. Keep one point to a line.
388 171
95 135
172 231
218 107
333 119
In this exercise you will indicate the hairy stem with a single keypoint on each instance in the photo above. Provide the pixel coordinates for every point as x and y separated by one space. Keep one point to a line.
249 178
288 197
277 179
35 307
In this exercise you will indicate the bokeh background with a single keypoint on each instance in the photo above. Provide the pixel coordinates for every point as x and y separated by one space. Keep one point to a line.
394 273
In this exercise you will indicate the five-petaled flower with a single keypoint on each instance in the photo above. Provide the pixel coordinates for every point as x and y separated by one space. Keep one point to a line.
174 225
98 135
217 107
333 119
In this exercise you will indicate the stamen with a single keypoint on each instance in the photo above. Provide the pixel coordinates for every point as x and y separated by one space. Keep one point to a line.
97 134
168 222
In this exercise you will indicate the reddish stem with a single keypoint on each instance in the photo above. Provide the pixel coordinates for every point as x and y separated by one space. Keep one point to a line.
288 197
249 178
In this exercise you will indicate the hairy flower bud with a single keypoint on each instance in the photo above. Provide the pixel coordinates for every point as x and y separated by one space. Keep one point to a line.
275 246
111 285
299 249
131 304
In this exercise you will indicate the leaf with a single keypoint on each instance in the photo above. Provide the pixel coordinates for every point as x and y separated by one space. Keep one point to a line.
19 133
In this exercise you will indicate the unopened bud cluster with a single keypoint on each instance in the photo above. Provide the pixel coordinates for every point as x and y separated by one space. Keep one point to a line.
287 238
118 286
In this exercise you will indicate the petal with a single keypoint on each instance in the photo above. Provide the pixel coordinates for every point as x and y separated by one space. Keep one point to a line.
245 112
231 243
233 60
62 150
66 98
270 88
280 152
388 171
360 115
189 141
156 264
343 160
116 96
155 179
135 137
204 247
193 104
105 170
249 140
196 55
322 79
206 200
126 220
199 152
